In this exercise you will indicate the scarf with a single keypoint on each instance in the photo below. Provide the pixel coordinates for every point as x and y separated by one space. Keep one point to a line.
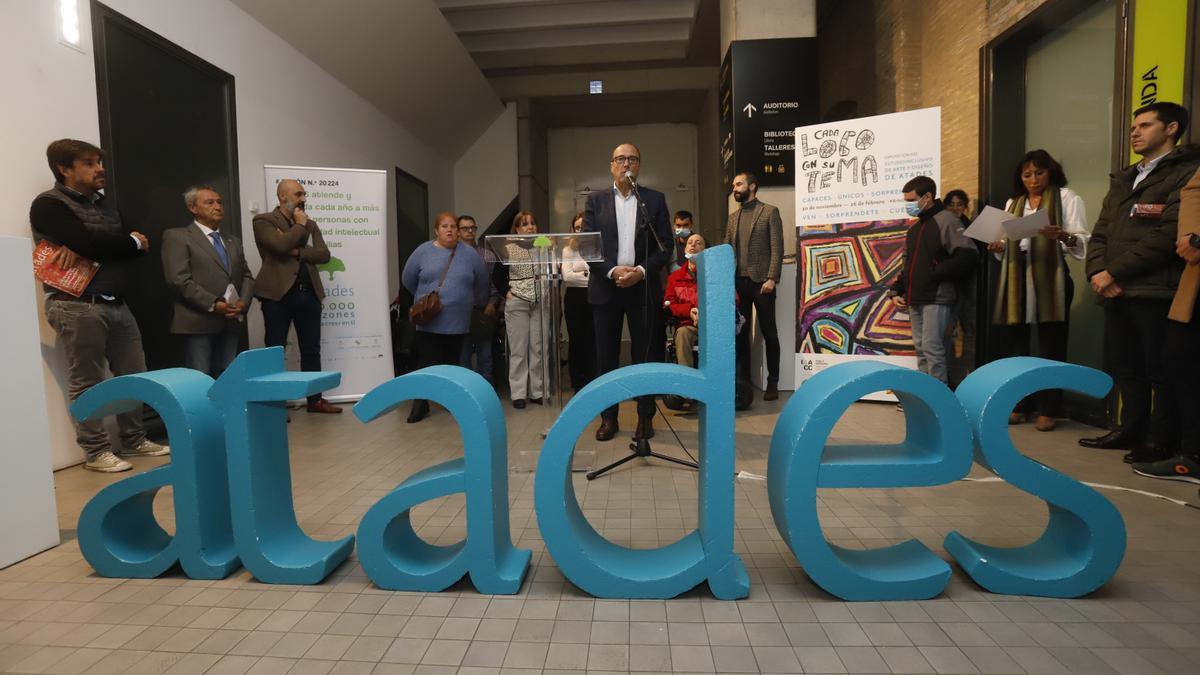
1048 271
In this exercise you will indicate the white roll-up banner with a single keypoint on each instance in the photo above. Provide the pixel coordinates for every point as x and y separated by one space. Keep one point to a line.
350 208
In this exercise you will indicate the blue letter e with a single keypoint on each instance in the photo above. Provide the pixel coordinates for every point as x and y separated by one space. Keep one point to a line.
935 450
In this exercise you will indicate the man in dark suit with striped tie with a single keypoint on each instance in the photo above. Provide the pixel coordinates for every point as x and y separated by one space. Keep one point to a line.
212 282
626 285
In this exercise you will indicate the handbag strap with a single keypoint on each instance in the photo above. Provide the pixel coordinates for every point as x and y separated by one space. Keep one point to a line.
447 270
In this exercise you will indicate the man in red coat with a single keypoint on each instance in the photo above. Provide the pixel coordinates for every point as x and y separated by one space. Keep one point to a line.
681 299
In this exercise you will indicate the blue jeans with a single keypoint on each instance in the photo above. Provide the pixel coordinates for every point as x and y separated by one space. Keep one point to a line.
210 353
479 347
929 324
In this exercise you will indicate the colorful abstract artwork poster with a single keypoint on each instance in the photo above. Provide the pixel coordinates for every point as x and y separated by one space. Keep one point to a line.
844 273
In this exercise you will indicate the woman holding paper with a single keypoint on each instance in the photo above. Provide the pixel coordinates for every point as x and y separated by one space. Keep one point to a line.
1034 286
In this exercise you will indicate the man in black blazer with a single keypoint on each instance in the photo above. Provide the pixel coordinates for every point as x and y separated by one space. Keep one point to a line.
213 286
626 284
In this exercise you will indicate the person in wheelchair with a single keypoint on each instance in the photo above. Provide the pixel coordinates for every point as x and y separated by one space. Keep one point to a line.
680 301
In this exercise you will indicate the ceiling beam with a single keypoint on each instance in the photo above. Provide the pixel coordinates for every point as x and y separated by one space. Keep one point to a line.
577 37
571 16
544 58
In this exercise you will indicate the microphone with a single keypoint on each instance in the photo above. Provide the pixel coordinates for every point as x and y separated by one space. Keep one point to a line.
629 177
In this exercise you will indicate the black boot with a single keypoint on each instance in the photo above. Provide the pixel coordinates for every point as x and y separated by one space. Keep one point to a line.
420 410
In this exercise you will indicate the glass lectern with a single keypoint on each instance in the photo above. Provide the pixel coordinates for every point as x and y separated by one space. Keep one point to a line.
545 253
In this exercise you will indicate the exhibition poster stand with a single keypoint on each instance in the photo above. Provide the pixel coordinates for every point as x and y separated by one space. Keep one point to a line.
545 252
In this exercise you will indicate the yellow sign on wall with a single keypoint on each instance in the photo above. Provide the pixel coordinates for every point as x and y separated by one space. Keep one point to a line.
1159 51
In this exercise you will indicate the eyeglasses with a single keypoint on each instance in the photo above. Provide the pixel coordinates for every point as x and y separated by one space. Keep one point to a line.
468 228
622 159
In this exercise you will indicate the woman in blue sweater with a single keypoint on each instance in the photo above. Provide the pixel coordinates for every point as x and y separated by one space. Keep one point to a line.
465 287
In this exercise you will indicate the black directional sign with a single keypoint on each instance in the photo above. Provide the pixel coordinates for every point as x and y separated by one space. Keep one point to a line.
767 89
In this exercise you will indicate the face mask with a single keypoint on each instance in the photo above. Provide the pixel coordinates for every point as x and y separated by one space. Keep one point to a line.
680 234
689 256
913 209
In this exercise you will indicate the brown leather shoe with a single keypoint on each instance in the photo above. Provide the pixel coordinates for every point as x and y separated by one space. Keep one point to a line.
645 429
323 406
772 392
608 429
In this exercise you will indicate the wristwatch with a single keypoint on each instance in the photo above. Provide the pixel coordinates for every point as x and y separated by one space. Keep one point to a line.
1194 241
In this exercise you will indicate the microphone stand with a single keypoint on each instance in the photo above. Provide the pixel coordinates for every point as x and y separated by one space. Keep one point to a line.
641 446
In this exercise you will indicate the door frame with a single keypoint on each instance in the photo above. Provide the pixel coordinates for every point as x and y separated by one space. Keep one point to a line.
102 16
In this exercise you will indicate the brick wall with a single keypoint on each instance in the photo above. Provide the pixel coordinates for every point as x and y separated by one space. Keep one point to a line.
925 53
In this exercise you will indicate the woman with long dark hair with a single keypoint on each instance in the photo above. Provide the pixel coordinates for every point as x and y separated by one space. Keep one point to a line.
1035 288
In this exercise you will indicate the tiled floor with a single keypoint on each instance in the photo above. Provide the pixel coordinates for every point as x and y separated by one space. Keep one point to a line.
56 616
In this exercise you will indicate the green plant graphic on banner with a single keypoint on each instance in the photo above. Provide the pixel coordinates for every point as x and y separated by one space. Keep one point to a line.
334 265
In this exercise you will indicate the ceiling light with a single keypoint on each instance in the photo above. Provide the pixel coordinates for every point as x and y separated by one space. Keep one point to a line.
68 24
596 87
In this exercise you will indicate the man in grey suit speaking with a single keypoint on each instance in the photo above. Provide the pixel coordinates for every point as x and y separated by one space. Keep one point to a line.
213 285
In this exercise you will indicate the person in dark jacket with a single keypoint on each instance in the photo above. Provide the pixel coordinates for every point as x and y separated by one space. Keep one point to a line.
936 256
96 329
1132 266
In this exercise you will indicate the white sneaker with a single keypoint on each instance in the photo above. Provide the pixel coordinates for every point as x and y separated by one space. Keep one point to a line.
107 462
147 448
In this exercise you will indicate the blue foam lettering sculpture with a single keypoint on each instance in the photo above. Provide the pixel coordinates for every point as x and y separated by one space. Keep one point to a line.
608 570
118 534
251 395
934 451
1084 541
390 552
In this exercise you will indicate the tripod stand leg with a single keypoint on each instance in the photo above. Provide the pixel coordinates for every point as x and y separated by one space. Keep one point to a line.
684 462
598 472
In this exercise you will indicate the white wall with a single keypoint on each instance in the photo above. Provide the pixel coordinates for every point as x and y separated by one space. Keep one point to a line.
579 158
29 523
485 177
289 111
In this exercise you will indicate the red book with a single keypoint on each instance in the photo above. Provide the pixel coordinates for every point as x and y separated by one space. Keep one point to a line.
72 280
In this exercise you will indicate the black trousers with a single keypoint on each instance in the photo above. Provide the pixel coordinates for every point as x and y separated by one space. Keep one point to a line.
299 306
750 295
1136 329
1182 354
1050 342
581 335
436 349
645 336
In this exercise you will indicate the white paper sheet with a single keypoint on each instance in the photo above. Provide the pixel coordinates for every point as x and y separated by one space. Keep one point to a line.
988 225
1028 226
